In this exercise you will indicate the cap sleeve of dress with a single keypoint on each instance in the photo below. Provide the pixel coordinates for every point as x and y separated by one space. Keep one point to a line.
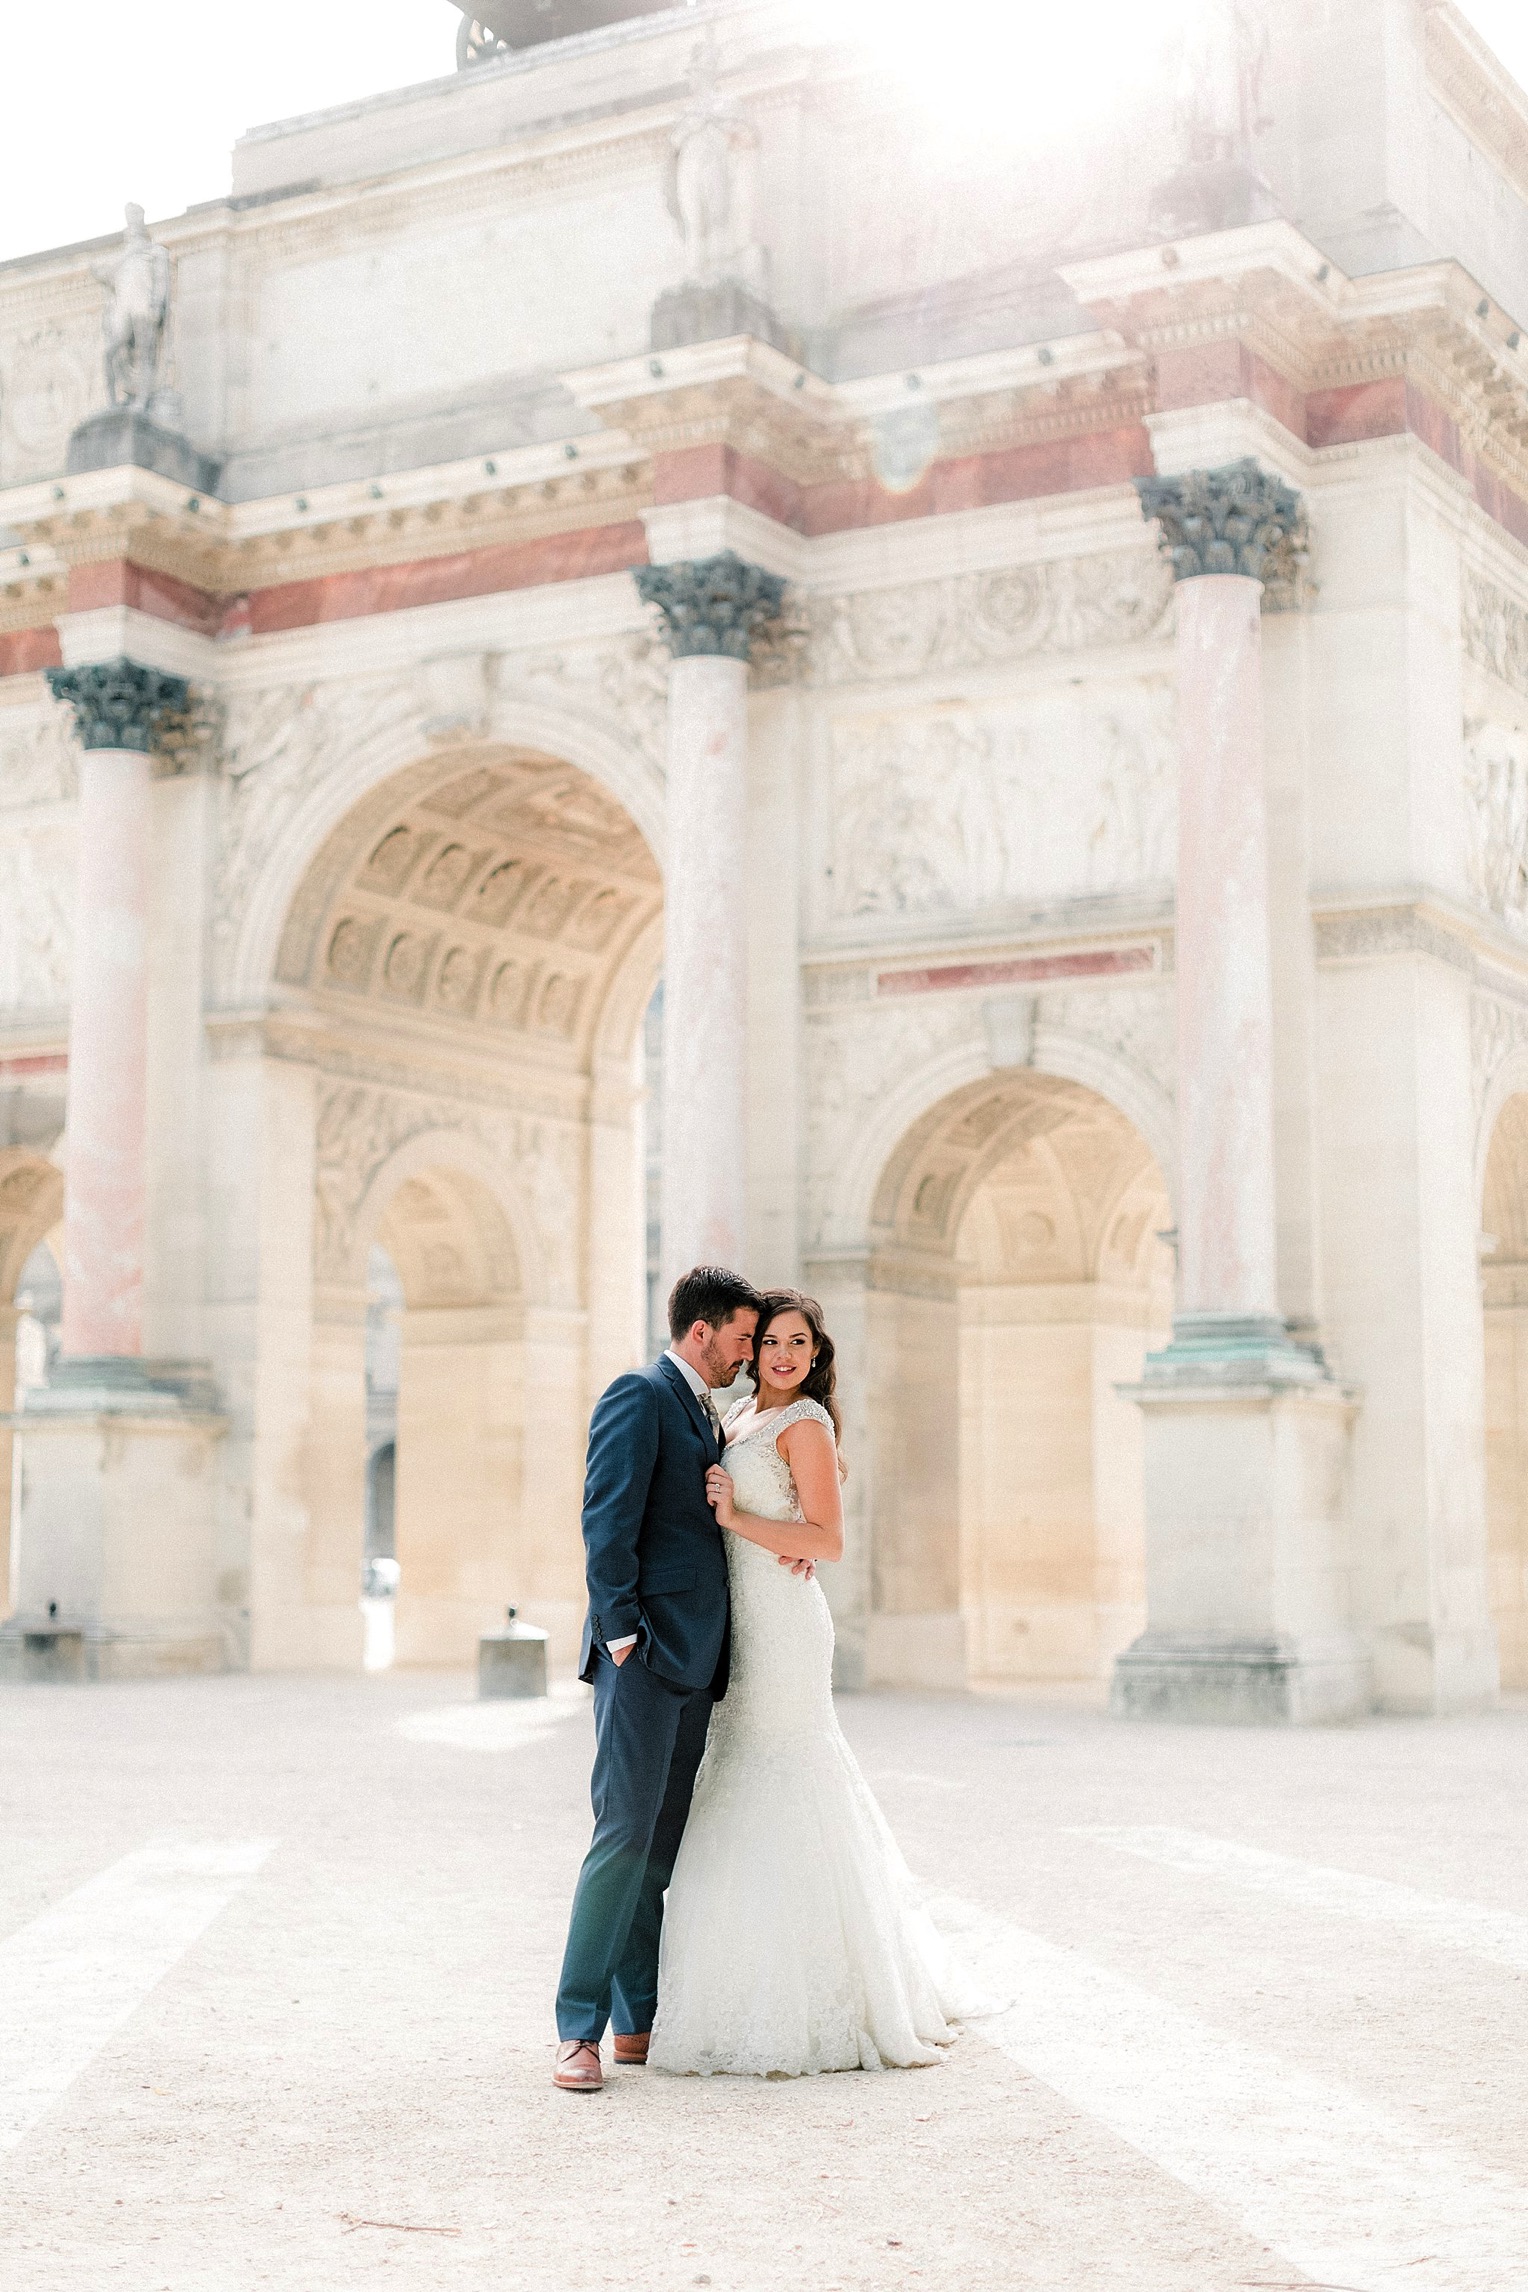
802 1410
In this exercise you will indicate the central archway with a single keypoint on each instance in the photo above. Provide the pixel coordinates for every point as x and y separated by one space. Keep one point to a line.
1019 1271
462 977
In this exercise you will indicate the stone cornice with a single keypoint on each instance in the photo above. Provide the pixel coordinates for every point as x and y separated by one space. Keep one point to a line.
1264 290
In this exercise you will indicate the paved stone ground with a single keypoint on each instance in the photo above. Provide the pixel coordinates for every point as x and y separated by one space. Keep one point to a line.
362 2035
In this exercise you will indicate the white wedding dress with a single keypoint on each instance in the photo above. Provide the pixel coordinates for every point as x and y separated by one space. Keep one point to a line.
792 1939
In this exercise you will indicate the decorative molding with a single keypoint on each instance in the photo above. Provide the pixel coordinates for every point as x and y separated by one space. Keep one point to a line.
1358 935
1023 970
976 620
120 704
711 606
1236 519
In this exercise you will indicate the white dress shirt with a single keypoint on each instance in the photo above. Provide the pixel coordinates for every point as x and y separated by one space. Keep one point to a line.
702 1392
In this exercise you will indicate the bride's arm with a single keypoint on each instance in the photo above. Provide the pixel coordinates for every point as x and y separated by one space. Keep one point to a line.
813 1460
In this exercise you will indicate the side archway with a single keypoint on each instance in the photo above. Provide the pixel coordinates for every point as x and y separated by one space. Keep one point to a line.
459 983
1017 1272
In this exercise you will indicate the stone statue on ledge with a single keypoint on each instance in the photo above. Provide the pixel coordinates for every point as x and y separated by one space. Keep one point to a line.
137 283
709 184
141 428
710 180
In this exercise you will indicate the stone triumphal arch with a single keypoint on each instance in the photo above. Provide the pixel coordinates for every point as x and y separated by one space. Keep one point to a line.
1030 651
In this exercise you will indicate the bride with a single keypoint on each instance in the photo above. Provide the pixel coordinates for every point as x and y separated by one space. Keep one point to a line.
791 1939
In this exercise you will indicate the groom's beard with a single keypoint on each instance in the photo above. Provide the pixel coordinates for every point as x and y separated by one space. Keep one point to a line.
719 1370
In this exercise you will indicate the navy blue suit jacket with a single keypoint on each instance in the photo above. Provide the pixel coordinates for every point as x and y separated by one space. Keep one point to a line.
653 1552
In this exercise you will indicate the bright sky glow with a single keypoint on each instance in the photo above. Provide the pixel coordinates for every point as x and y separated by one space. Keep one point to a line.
1046 70
102 101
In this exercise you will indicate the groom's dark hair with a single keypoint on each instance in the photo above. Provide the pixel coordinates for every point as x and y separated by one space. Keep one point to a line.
711 1294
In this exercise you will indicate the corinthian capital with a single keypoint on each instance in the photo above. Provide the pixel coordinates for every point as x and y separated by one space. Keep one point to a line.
118 704
1232 520
712 605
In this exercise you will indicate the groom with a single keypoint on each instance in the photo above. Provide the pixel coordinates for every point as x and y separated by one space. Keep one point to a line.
655 1649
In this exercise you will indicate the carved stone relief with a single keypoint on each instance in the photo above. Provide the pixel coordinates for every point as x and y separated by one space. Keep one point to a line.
277 744
960 808
36 918
852 1065
1496 785
37 759
45 391
359 1128
1137 1023
969 620
626 681
1497 1029
1495 629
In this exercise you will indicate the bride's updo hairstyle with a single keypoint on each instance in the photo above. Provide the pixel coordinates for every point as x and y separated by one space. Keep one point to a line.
821 1379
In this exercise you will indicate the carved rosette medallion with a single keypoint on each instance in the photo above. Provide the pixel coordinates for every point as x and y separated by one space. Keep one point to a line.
120 704
1232 520
712 605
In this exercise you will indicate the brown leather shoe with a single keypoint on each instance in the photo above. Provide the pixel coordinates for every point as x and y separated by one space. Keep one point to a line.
578 2067
631 2052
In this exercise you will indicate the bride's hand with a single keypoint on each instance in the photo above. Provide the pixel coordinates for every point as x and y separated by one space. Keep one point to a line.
719 1495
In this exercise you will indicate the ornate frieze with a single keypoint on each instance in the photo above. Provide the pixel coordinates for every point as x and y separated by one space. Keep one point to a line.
973 620
711 605
120 704
1236 519
1064 795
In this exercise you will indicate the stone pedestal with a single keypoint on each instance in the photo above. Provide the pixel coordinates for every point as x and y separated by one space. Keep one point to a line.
512 1662
125 437
116 1566
711 611
1247 1581
1248 1573
715 313
116 1459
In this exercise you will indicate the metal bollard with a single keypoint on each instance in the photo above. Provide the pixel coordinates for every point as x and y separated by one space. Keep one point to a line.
512 1661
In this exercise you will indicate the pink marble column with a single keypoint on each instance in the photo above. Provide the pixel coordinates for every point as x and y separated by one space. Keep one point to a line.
705 973
1226 1216
1228 532
117 706
104 1183
711 610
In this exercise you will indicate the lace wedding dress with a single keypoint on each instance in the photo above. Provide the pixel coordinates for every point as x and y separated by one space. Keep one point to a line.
792 1942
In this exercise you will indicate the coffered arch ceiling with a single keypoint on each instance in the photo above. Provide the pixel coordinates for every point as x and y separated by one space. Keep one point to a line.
1028 1178
502 893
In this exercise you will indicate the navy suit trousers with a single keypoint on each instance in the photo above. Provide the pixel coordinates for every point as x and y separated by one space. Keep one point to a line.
648 1743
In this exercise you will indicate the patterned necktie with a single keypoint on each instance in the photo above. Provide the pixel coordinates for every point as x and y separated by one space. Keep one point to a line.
713 1419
